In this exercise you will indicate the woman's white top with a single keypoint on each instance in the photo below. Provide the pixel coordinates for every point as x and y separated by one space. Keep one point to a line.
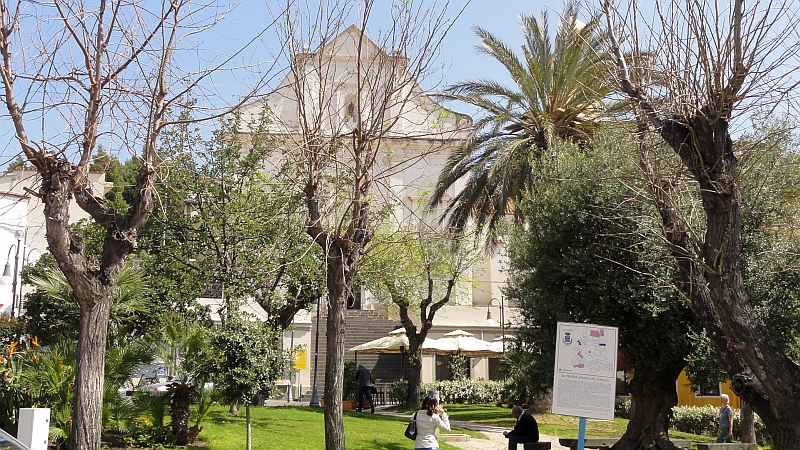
426 428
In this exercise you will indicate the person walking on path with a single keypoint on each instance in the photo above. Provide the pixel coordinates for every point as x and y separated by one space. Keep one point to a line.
429 418
364 387
526 429
725 421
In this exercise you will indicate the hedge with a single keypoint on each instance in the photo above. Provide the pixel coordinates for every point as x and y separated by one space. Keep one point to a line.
466 391
704 420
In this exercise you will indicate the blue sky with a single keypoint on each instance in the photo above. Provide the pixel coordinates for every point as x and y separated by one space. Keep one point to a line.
458 54
459 59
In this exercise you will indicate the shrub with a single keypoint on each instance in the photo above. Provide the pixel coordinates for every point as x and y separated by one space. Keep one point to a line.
467 391
350 382
704 420
145 433
622 407
399 390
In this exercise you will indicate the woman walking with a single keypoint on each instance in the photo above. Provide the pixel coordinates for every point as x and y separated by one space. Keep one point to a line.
429 418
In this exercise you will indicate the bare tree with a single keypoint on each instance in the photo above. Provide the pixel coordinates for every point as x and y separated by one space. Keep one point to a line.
353 115
74 76
704 65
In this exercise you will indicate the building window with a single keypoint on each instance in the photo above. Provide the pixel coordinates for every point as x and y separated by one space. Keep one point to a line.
709 390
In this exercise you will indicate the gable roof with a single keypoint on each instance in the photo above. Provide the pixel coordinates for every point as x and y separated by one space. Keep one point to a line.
341 53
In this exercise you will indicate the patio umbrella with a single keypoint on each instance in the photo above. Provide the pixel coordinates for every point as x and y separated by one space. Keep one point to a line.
500 340
468 345
397 339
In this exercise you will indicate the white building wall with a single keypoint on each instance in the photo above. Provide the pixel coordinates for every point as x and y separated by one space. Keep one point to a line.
18 206
428 368
13 225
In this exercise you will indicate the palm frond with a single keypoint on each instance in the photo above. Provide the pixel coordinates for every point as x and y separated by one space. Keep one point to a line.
556 96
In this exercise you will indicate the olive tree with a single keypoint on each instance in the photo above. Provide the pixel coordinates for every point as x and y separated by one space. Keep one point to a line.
419 271
690 75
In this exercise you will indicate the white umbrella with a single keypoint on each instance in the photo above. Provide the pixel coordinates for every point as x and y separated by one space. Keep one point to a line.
397 339
498 342
504 337
469 345
456 333
386 344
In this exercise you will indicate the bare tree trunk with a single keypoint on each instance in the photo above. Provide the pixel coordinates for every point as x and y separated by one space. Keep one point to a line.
249 429
89 375
653 395
334 358
414 376
747 425
693 118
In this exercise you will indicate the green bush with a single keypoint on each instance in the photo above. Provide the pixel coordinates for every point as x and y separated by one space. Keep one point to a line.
144 433
399 390
622 407
704 420
350 383
467 391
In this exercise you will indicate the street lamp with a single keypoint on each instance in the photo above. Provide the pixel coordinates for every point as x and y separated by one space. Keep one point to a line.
7 278
26 260
502 320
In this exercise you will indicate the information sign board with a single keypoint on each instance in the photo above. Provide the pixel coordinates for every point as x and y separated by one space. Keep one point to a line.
300 360
585 373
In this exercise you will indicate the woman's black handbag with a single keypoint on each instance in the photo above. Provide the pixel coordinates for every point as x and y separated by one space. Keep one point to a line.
411 429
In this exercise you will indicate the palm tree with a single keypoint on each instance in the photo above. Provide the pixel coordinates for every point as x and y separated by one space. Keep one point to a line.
556 94
129 304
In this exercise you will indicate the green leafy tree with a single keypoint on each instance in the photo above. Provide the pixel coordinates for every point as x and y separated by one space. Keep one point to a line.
584 256
556 95
19 163
121 174
230 228
246 362
418 271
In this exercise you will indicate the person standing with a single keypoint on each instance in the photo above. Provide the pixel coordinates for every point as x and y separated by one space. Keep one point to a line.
429 418
725 421
526 429
364 387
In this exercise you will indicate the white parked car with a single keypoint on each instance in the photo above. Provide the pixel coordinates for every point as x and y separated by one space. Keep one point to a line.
8 441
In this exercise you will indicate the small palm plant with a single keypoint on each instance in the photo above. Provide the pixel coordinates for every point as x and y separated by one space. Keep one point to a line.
48 379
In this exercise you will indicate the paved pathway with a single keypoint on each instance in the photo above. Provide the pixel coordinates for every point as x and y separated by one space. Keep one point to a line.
496 439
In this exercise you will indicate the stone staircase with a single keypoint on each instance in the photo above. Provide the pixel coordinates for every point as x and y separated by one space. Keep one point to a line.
361 326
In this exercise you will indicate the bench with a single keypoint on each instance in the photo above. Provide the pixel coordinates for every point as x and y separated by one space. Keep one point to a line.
605 443
536 446
731 446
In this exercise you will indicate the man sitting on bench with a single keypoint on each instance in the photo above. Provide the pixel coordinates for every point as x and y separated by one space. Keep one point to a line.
526 429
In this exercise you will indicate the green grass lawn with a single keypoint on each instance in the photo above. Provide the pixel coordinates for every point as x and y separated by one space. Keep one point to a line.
303 428
551 424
